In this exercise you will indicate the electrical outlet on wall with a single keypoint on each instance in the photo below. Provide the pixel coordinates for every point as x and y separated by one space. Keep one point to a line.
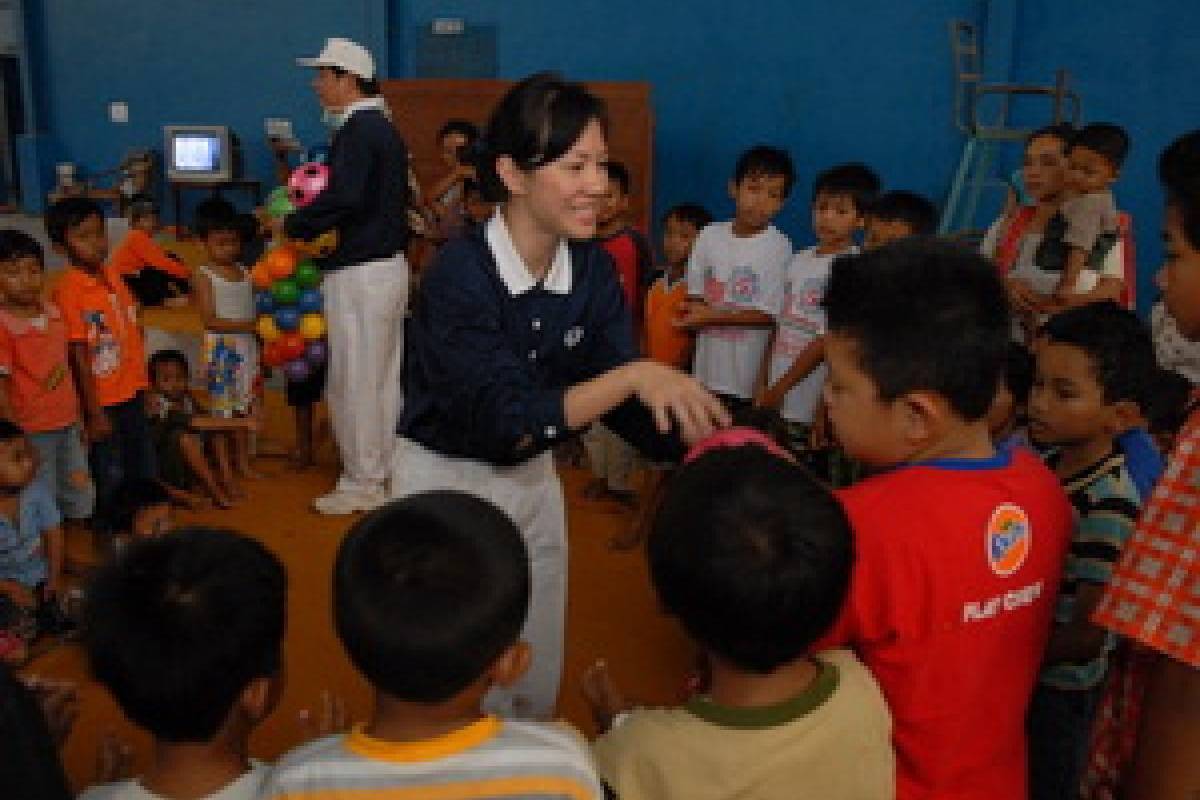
118 112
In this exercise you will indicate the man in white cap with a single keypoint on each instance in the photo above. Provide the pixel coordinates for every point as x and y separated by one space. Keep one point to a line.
366 276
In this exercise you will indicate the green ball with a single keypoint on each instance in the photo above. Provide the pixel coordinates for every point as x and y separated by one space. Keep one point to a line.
278 204
308 275
285 291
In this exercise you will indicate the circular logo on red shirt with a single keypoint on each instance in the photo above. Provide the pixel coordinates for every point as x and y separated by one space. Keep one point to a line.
1008 539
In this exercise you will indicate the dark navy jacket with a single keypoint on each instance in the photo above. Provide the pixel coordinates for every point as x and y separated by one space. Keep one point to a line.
486 371
367 198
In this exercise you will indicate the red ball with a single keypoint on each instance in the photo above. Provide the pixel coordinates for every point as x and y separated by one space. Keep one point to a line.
291 346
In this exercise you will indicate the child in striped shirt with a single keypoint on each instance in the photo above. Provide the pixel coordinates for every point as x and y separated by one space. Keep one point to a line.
429 596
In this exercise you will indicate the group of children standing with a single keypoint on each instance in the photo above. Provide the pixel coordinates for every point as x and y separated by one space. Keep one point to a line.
117 436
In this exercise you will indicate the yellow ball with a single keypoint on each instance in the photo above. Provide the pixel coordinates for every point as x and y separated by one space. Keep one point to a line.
312 326
267 329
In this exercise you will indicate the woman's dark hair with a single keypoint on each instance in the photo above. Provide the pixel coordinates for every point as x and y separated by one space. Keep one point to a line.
1179 171
1063 131
368 87
534 124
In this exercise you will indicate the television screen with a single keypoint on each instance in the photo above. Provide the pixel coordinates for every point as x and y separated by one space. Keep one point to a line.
197 153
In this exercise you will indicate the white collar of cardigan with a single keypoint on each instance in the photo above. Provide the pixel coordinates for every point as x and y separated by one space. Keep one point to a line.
513 270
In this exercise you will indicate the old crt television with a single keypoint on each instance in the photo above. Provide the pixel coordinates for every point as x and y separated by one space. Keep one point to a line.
198 153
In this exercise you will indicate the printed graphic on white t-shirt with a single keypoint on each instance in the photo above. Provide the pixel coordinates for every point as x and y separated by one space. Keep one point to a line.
739 274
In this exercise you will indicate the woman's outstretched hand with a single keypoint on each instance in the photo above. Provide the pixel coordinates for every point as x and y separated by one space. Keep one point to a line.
673 395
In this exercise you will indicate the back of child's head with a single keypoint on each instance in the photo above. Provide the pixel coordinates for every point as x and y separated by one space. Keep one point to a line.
618 173
1179 171
428 592
766 161
135 495
924 315
855 180
217 214
1104 138
139 207
68 213
692 214
751 555
10 431
29 757
464 128
1117 344
162 357
177 627
16 244
1169 403
1018 372
915 211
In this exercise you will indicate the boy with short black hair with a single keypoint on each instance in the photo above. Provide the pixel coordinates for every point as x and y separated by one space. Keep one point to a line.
1095 155
734 275
792 373
897 215
186 632
36 388
753 558
958 546
105 349
664 340
1095 365
429 597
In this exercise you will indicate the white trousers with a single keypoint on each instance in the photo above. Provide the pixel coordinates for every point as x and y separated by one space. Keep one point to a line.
364 311
532 496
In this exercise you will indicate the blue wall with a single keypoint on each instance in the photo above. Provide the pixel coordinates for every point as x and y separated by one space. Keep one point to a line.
830 81
182 61
1133 64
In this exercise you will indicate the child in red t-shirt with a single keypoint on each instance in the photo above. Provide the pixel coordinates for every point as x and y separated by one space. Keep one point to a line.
959 546
36 388
628 247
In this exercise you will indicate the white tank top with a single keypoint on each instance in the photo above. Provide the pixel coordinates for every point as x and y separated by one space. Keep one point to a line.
232 300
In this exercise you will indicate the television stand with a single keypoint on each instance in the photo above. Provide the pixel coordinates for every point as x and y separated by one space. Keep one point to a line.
215 188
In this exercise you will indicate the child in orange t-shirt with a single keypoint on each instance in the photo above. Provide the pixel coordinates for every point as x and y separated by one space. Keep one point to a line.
664 340
36 389
106 353
152 274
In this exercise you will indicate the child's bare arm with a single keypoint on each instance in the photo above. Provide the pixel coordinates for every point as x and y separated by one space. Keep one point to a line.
806 361
702 315
6 407
763 380
19 593
1080 639
95 420
52 544
1076 261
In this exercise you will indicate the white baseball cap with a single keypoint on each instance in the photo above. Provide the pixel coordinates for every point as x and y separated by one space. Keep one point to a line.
343 54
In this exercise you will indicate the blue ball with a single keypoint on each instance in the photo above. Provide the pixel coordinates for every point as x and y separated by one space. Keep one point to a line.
264 302
310 301
287 318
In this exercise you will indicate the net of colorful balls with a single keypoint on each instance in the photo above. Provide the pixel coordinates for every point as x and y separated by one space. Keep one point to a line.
287 282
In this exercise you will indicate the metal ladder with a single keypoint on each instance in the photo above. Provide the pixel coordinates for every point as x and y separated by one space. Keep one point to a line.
983 137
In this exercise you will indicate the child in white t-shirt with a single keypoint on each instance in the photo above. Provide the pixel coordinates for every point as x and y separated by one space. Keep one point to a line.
793 370
734 276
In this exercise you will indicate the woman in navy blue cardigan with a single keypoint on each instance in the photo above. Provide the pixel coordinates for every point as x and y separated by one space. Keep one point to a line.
520 338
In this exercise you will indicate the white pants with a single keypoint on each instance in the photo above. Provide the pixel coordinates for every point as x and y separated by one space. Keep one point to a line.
364 310
531 495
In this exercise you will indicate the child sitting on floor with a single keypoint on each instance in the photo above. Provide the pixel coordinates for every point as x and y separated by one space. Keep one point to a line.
186 632
753 558
959 546
152 274
177 422
429 597
31 540
36 388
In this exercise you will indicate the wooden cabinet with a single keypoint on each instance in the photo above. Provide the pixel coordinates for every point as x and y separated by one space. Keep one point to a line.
421 106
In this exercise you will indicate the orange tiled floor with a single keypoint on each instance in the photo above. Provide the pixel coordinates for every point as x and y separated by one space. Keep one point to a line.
611 612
